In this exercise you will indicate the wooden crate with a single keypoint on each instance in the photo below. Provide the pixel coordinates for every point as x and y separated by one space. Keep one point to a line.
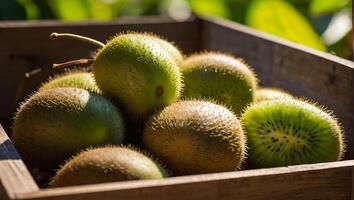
303 71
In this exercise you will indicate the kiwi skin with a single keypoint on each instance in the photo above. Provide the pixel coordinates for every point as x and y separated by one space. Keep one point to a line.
138 73
54 124
169 47
73 78
193 137
219 77
285 132
269 93
107 164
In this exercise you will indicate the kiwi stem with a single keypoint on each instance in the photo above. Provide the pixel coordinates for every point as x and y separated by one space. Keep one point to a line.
72 63
20 90
33 72
77 37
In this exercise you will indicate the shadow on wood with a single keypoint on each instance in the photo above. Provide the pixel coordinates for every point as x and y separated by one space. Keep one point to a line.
8 152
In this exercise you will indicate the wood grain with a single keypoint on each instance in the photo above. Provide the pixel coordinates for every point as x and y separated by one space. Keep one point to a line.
324 181
14 176
304 72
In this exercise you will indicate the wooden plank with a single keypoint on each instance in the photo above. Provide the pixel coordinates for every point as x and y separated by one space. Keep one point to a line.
14 176
302 71
26 46
330 181
352 184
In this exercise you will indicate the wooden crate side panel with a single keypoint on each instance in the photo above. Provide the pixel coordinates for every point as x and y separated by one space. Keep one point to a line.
328 181
14 176
304 72
27 46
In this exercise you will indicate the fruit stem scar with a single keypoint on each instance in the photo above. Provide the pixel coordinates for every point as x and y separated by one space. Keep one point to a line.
72 63
159 91
54 36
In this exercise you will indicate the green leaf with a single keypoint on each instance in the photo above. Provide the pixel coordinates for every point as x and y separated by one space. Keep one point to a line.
210 7
139 7
301 3
318 7
72 10
282 19
32 11
45 11
238 9
100 9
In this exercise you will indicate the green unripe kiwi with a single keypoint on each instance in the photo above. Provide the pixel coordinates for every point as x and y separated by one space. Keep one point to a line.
107 164
56 123
219 77
194 137
266 93
76 79
170 48
136 71
285 132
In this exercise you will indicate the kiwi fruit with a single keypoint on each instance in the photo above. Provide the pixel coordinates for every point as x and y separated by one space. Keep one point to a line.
287 131
75 78
169 47
219 77
193 137
267 93
54 124
107 164
136 71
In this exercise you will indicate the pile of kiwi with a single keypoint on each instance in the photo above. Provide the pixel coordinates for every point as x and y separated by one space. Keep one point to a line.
145 111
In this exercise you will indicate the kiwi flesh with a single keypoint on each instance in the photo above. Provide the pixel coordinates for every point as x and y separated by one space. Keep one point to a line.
193 137
219 77
73 78
285 132
107 164
268 93
56 123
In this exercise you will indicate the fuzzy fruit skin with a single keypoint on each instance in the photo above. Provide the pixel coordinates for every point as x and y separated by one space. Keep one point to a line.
107 164
138 73
170 48
287 132
265 94
83 80
194 137
219 77
54 124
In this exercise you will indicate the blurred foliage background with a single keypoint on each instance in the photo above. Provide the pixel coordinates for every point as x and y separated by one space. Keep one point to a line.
325 25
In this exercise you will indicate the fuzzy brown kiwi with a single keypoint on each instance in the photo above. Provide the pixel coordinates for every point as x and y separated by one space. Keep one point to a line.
194 137
220 77
289 131
56 123
108 164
